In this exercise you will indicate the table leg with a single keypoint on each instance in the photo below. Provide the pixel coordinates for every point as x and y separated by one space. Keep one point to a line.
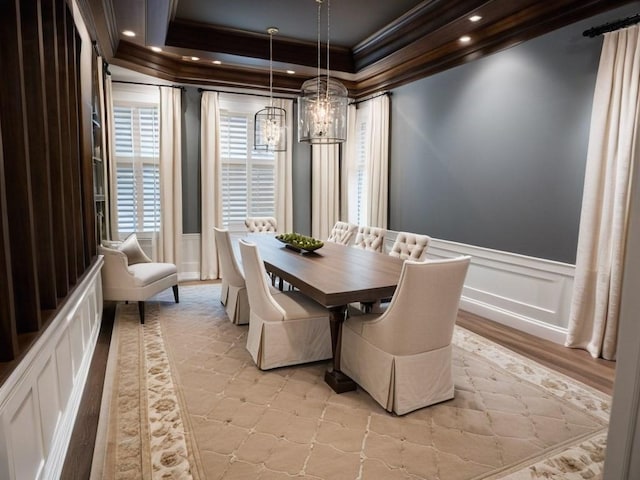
335 378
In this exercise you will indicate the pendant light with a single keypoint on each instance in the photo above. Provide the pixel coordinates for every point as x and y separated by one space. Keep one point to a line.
270 123
322 108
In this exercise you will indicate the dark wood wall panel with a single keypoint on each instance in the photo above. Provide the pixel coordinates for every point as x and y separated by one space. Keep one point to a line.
46 210
8 333
52 118
36 110
17 171
66 141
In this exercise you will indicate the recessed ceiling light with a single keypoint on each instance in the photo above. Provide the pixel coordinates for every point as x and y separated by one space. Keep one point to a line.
217 62
128 33
156 49
291 72
195 59
475 18
465 39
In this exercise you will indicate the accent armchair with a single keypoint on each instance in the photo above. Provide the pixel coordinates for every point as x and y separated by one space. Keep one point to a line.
129 275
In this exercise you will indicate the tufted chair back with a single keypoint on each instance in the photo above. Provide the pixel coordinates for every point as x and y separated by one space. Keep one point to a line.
410 246
370 238
261 224
342 232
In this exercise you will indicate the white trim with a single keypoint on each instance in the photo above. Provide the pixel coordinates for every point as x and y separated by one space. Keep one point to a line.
49 382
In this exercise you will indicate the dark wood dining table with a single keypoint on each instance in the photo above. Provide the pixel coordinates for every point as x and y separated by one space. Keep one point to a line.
334 276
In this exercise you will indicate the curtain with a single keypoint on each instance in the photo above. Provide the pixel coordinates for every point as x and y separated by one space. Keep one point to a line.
349 187
170 236
377 140
613 143
325 198
284 172
210 175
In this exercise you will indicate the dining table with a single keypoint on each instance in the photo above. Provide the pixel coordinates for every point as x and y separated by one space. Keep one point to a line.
335 276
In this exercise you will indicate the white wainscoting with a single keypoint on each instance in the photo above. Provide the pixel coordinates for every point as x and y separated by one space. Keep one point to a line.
530 294
40 399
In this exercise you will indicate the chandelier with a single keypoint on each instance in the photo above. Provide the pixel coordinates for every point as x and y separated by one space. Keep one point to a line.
322 107
270 123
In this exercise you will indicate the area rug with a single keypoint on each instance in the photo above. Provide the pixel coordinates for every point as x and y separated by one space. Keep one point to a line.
184 400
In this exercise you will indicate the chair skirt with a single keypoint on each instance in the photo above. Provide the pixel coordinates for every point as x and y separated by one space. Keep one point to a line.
399 383
237 305
291 341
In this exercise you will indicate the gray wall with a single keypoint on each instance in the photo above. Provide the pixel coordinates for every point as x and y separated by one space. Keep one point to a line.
492 153
191 218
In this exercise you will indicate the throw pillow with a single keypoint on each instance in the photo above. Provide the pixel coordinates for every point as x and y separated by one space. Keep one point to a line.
132 249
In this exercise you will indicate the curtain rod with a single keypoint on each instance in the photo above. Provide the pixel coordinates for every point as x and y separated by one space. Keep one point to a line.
370 97
200 90
149 84
611 26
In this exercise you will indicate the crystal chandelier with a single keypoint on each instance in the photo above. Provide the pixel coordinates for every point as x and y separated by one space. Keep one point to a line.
270 123
322 108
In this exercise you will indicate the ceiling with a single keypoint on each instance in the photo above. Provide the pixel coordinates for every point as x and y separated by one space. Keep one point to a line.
372 48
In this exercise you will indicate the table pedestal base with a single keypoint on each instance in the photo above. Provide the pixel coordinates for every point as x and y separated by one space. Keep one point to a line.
339 381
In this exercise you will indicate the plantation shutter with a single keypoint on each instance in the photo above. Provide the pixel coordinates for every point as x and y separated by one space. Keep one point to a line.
361 179
248 177
137 170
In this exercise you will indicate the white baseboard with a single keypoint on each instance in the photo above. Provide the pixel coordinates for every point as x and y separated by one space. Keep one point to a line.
40 399
530 294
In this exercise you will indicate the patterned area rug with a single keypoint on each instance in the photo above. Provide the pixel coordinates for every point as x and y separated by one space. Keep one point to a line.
186 401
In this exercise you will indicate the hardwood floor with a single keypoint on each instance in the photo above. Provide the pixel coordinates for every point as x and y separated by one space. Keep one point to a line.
578 364
574 363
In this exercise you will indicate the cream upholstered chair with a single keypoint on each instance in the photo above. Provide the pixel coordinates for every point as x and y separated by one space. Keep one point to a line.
284 329
129 275
233 294
370 238
261 224
343 233
410 246
403 356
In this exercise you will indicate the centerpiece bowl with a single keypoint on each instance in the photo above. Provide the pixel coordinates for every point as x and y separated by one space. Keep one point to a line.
300 243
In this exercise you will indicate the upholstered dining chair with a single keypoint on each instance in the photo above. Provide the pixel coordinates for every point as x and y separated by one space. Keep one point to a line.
342 232
233 293
284 329
129 275
402 357
261 224
410 246
370 238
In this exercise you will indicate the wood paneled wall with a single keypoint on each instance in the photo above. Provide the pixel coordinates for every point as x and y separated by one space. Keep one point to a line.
47 222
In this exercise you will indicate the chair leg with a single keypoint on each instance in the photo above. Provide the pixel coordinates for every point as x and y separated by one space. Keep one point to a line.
175 293
141 311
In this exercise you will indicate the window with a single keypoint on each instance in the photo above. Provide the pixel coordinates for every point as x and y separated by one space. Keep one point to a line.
248 177
137 168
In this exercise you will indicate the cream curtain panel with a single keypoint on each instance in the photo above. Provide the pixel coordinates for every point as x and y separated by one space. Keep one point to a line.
210 174
377 147
284 172
349 186
613 146
325 198
170 237
110 152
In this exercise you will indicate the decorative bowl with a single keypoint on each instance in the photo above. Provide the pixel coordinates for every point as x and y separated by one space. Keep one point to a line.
299 243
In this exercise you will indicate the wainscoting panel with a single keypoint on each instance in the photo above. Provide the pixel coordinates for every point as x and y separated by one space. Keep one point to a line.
530 294
40 399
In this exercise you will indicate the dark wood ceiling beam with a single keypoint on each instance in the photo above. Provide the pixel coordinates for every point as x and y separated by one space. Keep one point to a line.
424 19
100 21
416 61
192 35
